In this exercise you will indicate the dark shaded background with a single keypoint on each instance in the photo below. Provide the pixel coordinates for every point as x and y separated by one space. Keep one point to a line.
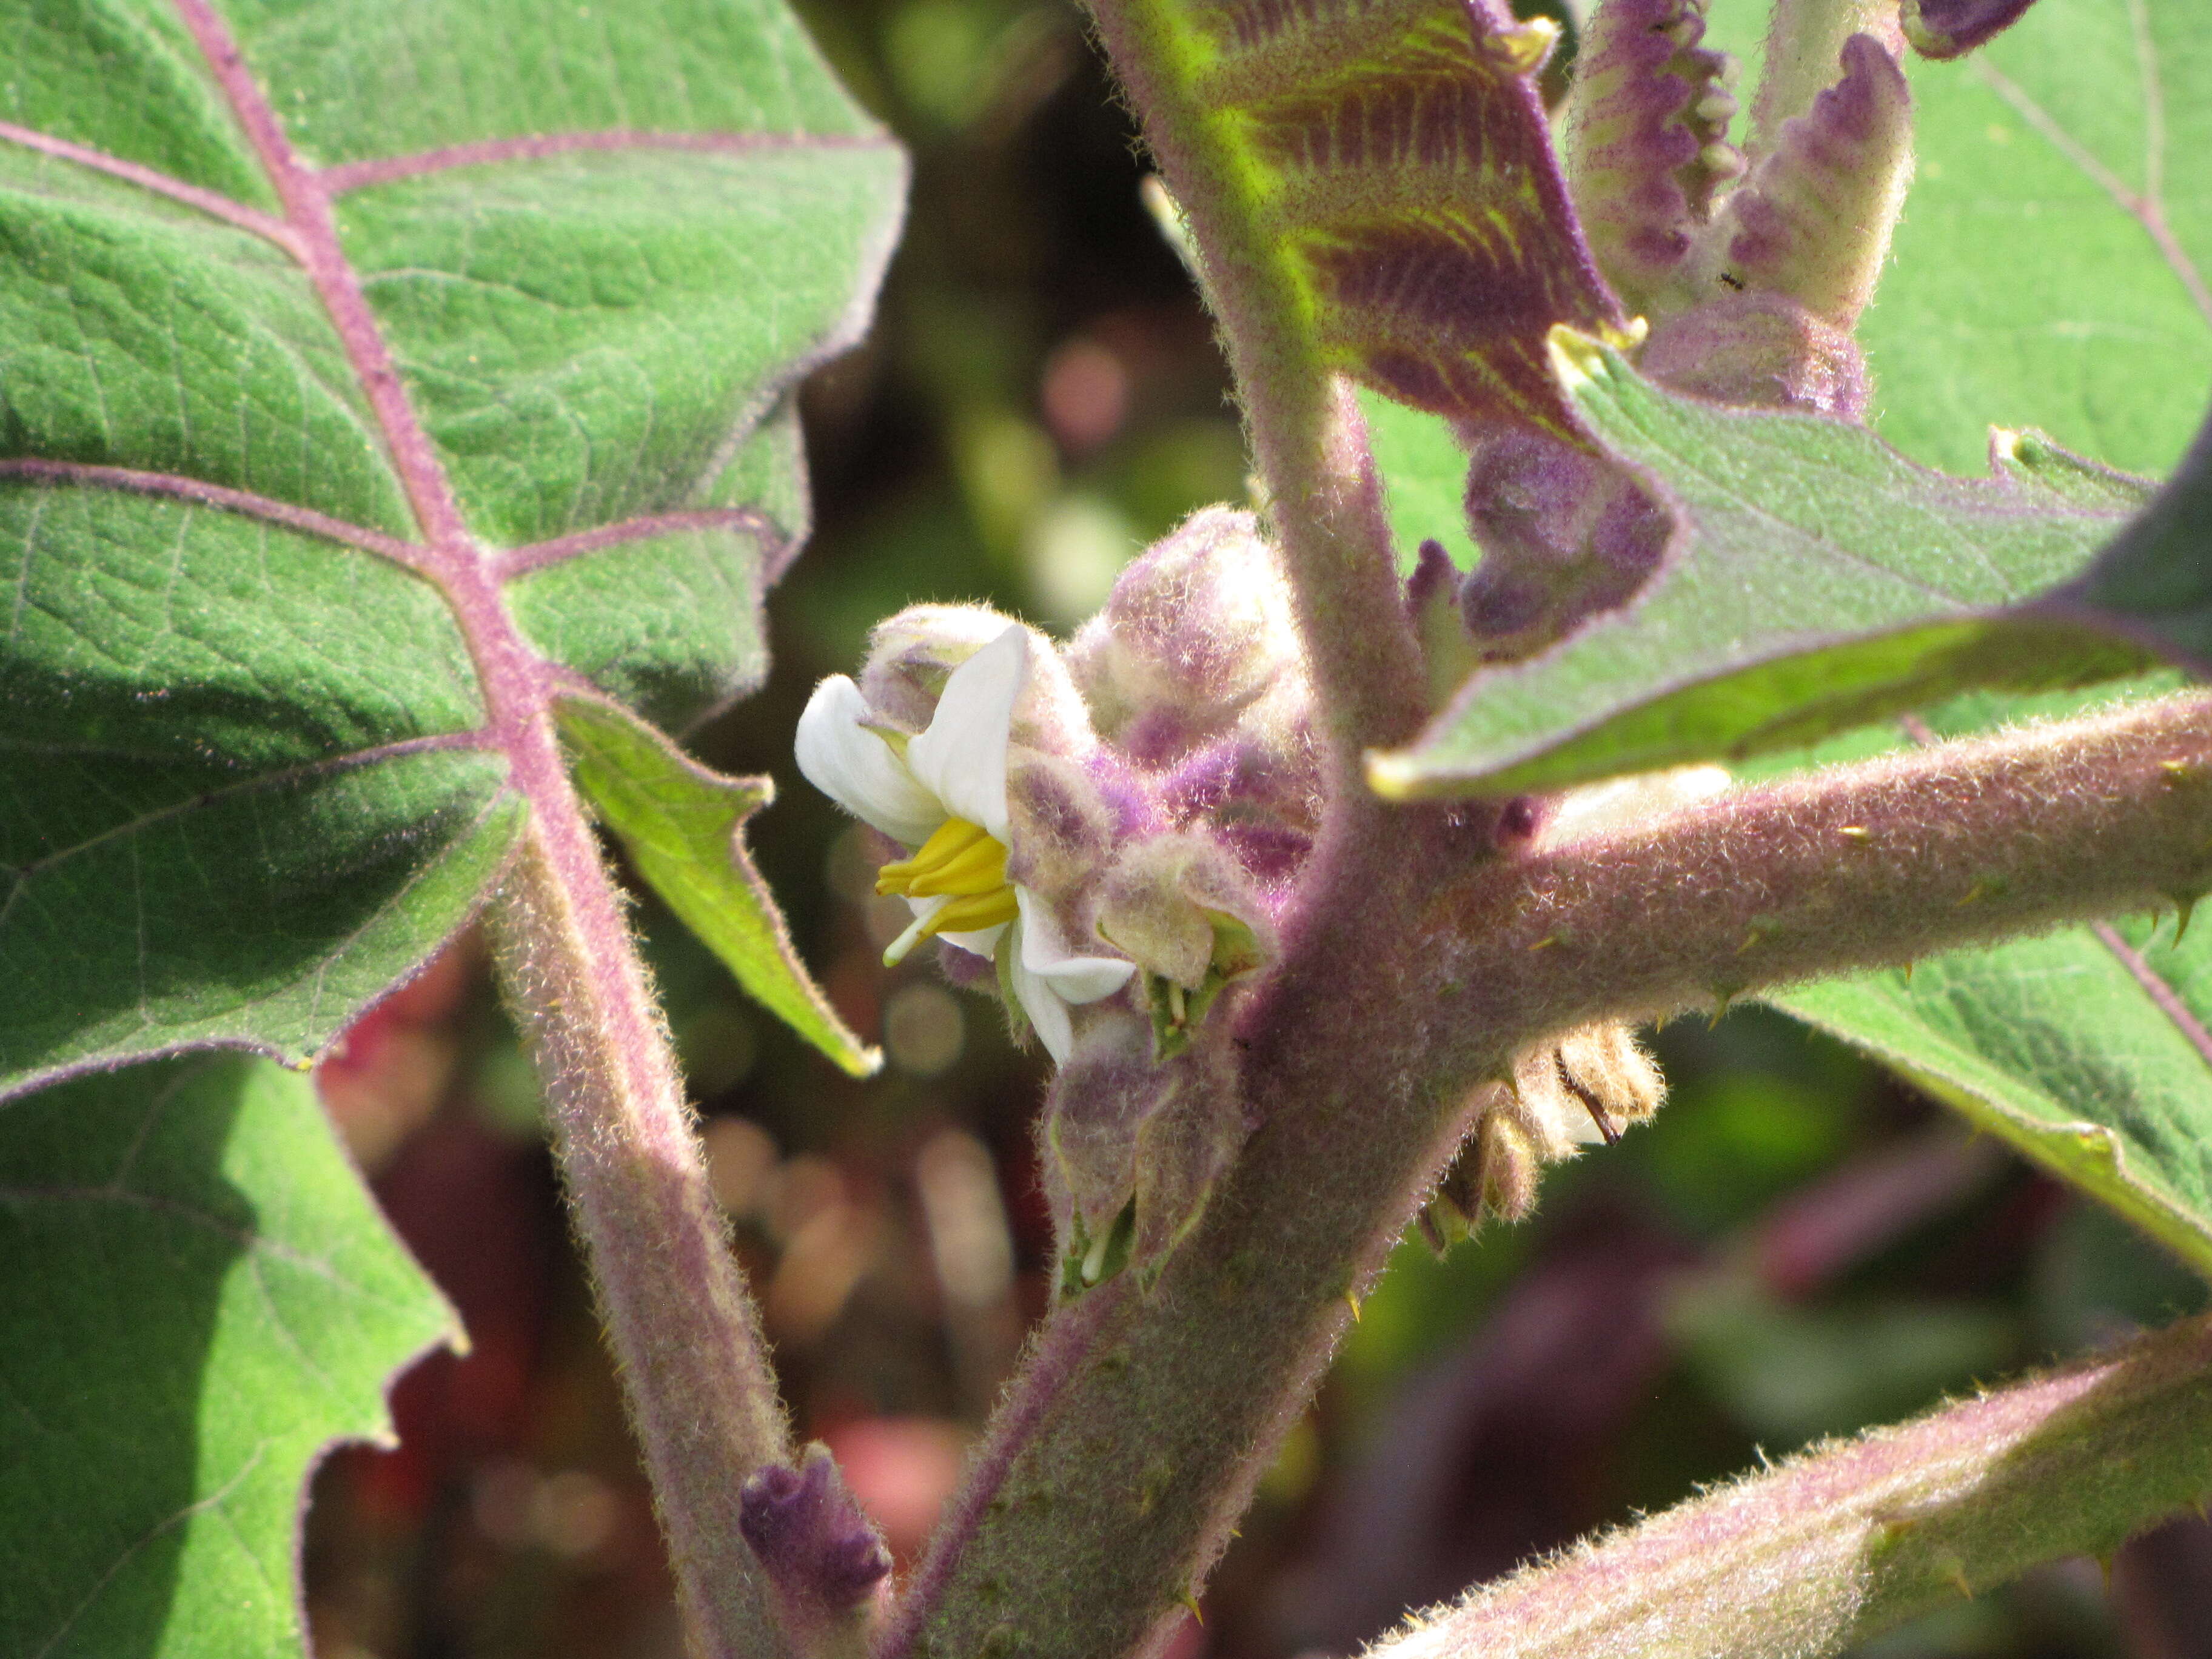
1797 1247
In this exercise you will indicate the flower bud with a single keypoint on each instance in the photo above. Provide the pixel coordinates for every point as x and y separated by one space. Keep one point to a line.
1565 534
820 1550
1063 827
1812 222
1759 352
1645 142
911 654
1197 630
1259 791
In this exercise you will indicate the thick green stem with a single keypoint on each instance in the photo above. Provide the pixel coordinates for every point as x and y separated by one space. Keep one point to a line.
700 1395
1841 1544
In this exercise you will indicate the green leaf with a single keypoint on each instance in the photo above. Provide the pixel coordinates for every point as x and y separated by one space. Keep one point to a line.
312 318
1819 580
2049 268
200 1300
2086 1049
683 827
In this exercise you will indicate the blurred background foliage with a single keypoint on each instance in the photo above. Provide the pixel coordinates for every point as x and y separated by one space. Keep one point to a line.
1797 1247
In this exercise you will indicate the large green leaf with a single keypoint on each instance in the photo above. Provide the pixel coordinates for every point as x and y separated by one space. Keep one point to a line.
2050 269
251 771
1819 580
199 1300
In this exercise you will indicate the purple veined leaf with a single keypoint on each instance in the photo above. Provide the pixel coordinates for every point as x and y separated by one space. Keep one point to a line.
374 374
369 380
1400 159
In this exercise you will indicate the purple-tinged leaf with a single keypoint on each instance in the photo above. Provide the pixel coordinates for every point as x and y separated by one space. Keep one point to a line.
1813 223
1951 29
1646 141
1398 156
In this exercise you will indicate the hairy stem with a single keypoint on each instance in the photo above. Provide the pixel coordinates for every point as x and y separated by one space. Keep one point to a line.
1865 866
1423 965
1849 1540
695 1370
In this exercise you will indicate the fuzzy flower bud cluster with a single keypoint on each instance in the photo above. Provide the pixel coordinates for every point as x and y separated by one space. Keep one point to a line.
1109 833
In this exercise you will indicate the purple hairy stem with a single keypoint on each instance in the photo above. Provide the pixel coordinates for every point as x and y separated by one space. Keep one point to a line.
1952 28
1855 1537
1104 1500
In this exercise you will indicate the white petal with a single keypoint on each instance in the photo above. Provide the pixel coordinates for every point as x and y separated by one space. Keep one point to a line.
1047 1014
983 941
1046 953
858 769
962 758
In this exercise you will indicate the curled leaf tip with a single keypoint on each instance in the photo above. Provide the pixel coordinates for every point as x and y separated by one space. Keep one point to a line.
1813 223
1645 139
1951 29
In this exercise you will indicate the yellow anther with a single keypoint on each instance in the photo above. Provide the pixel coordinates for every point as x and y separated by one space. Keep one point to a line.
951 838
961 863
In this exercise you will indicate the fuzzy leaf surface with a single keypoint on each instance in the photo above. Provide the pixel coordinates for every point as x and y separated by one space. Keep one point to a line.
683 827
1819 580
2051 267
200 1300
274 277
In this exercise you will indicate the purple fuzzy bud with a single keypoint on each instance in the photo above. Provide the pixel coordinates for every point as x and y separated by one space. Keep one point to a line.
820 1550
1950 28
1646 144
1565 534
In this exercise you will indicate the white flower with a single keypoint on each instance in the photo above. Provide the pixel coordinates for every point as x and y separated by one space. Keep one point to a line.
942 794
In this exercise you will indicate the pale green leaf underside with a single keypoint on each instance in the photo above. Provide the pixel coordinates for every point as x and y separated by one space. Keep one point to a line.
2085 1048
1819 580
2055 1045
682 826
200 1298
245 783
2050 269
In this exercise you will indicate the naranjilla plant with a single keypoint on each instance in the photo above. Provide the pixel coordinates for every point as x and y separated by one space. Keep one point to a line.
399 438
